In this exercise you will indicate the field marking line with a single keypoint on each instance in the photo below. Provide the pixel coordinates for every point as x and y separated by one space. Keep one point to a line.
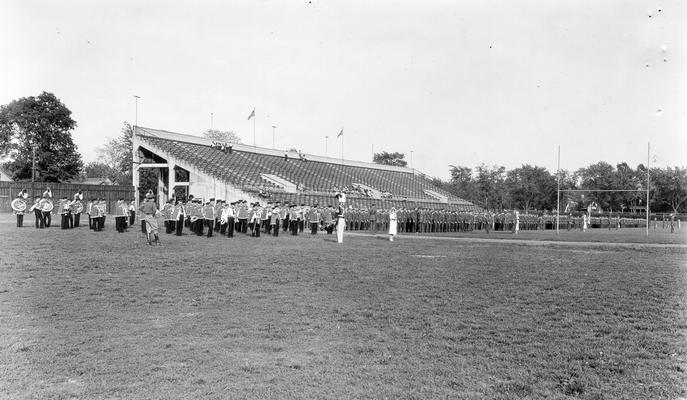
527 242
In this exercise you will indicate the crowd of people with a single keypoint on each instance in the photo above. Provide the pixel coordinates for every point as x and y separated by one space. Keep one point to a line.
219 217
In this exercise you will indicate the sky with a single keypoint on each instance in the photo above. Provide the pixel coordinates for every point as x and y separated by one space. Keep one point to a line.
444 82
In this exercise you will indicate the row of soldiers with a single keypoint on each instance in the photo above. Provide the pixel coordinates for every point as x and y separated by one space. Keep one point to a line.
423 220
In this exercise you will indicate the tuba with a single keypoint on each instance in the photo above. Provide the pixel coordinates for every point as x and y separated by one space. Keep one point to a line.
19 205
47 205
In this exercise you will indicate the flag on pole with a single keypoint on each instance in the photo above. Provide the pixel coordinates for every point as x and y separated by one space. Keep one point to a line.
252 114
340 133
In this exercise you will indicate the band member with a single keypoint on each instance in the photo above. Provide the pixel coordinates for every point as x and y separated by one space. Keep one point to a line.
218 214
197 219
97 214
265 217
19 206
284 216
222 217
121 212
242 215
254 215
77 208
132 212
35 208
301 217
293 220
314 218
167 211
63 210
89 211
47 206
179 215
209 215
328 220
274 219
149 209
228 214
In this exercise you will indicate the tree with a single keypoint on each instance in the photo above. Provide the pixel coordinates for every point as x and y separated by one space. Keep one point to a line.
42 123
463 182
598 176
490 186
97 169
671 187
395 159
531 187
222 136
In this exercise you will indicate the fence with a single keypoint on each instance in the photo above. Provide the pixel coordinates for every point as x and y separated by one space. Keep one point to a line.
111 193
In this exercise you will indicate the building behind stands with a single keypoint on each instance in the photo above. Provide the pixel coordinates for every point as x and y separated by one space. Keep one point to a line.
191 165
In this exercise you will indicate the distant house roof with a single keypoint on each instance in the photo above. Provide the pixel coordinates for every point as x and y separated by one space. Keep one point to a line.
5 176
96 181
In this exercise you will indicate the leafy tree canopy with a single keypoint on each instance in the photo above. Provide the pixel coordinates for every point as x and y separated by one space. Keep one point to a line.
43 122
395 159
222 136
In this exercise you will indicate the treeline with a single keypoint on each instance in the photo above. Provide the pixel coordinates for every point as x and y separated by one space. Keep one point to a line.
531 188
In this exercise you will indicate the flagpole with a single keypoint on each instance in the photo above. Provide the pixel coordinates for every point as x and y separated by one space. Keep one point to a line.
254 118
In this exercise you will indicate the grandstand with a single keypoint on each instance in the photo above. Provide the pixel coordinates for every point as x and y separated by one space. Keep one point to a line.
195 165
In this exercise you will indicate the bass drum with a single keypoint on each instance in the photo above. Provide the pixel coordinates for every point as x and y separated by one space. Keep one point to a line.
47 206
19 205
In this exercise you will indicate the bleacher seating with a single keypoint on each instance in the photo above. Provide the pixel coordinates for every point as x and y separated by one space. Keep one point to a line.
317 180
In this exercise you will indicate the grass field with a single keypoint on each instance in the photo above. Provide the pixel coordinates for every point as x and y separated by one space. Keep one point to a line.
101 315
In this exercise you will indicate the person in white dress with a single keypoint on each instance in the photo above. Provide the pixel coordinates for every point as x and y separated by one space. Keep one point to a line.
392 224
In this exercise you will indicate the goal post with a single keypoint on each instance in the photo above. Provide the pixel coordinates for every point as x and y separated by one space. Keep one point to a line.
647 190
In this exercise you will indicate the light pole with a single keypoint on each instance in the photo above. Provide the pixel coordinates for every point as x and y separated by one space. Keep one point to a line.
411 159
136 120
212 115
326 139
274 127
134 166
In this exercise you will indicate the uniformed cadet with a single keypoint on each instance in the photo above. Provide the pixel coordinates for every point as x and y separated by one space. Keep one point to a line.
254 215
64 211
284 216
21 205
314 218
218 214
132 212
293 220
242 215
198 221
167 214
46 203
274 219
149 209
301 217
179 215
265 217
120 213
77 208
209 215
38 214
231 220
